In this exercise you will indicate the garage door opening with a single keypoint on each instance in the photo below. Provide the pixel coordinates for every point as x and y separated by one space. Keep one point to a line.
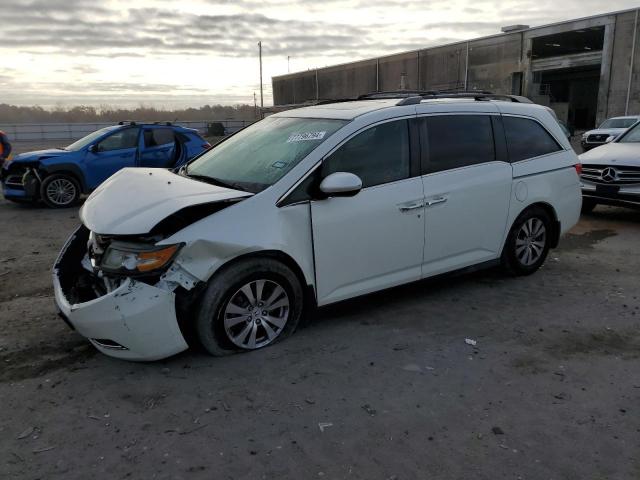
573 94
576 42
566 74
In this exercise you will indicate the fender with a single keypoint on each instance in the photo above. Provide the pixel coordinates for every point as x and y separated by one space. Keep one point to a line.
67 167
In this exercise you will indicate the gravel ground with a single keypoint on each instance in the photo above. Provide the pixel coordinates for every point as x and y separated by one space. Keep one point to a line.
382 387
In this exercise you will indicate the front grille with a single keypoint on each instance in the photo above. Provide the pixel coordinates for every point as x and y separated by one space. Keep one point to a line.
610 175
597 138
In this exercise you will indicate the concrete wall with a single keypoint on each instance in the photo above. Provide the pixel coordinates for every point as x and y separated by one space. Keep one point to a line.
294 88
443 68
490 65
347 81
392 69
620 68
492 62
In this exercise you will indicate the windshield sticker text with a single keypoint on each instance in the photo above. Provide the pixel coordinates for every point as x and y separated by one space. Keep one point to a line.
304 137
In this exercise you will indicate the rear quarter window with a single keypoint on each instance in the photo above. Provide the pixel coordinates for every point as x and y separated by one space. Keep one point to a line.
527 139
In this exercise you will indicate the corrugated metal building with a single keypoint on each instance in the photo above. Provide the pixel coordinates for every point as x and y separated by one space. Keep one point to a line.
586 69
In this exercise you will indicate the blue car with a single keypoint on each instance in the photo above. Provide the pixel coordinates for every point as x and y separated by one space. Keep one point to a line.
59 176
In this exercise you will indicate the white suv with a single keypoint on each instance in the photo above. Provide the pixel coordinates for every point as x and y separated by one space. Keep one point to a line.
309 207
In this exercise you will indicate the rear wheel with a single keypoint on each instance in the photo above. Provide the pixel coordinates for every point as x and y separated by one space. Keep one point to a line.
252 304
528 242
60 191
588 205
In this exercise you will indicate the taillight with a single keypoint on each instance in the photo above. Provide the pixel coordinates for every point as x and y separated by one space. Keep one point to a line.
578 167
206 146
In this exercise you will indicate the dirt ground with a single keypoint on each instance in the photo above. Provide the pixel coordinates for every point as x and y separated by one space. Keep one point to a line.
382 387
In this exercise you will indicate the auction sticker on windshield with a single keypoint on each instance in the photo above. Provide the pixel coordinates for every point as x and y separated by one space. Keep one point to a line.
303 137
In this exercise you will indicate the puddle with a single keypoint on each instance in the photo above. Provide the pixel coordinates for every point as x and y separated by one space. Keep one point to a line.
603 342
587 240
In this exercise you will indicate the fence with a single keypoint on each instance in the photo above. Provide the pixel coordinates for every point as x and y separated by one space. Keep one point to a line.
72 131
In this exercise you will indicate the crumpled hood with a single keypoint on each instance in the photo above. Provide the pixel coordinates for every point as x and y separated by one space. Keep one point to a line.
613 154
38 154
606 131
134 200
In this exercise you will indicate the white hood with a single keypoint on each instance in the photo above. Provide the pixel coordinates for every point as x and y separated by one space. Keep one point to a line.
612 132
613 154
134 200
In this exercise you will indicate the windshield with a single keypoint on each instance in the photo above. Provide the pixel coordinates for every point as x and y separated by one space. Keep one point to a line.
84 141
618 123
631 136
258 156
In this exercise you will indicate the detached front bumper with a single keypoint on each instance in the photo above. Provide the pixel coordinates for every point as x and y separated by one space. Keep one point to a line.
136 321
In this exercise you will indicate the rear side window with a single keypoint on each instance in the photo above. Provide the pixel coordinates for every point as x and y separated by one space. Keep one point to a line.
455 141
126 138
527 139
377 155
158 136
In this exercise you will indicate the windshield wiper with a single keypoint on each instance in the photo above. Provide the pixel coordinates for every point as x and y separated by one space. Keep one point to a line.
214 181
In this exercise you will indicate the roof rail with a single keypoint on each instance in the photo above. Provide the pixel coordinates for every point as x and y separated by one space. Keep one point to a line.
168 124
395 94
480 96
409 101
412 97
127 122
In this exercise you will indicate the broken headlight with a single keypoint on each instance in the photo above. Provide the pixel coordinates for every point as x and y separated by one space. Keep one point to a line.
131 259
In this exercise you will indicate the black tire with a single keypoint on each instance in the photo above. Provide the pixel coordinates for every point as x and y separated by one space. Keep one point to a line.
588 205
71 191
225 285
512 254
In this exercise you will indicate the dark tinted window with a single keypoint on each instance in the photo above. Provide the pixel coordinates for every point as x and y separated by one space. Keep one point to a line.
458 141
158 136
527 139
377 155
126 138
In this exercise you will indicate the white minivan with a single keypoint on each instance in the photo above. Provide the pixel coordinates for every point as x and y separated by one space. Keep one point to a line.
309 207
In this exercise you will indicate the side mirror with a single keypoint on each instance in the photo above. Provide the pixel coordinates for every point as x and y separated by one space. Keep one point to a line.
341 184
610 139
93 148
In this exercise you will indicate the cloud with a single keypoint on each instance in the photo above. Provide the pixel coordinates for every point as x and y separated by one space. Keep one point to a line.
80 42
163 31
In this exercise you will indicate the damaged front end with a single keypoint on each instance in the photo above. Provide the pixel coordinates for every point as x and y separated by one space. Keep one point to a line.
120 293
21 181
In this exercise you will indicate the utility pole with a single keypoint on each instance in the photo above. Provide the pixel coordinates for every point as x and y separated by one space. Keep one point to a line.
255 105
261 94
288 69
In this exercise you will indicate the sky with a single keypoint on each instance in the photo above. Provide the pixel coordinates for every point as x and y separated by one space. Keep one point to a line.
178 53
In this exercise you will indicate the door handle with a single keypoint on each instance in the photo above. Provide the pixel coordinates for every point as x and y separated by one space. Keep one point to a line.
408 208
435 201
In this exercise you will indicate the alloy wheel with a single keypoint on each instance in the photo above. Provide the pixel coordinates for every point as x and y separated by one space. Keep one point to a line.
256 314
530 241
61 191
